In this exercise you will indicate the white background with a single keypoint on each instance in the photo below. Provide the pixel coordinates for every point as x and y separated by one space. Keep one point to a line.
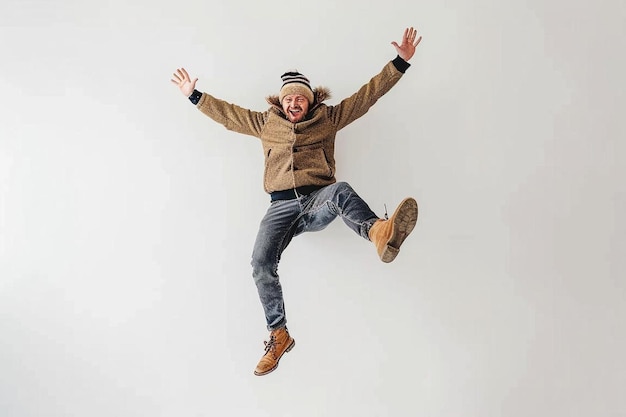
127 218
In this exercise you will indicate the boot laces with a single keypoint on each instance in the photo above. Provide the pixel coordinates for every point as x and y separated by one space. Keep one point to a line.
270 345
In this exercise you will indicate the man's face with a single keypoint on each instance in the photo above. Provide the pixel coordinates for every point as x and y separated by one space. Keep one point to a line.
296 107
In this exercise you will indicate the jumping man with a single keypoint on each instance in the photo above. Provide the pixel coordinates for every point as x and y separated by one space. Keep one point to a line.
297 133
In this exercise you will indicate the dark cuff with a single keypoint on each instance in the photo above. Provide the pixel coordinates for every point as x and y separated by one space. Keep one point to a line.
195 96
400 64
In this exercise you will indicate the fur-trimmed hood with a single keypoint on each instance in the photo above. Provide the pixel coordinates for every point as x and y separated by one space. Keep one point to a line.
320 94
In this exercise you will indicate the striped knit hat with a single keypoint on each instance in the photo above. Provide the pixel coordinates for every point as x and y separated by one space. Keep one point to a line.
295 83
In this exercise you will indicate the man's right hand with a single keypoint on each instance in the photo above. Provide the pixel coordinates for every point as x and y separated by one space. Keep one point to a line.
183 81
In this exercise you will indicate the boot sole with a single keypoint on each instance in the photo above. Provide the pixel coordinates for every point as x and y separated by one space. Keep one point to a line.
403 222
293 343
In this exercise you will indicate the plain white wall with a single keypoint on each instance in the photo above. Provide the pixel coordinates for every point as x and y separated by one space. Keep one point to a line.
127 218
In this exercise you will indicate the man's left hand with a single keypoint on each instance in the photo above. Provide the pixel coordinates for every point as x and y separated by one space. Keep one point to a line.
410 40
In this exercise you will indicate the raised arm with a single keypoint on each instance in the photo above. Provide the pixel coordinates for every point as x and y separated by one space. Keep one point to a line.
360 102
231 116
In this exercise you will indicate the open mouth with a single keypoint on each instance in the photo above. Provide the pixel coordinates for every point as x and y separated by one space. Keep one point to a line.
295 113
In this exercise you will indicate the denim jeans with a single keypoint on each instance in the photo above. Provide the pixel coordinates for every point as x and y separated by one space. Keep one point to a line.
286 219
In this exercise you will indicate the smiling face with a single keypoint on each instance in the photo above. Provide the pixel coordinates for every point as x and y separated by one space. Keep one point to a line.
295 106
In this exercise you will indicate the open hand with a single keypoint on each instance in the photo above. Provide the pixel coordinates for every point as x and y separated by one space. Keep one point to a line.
184 82
409 43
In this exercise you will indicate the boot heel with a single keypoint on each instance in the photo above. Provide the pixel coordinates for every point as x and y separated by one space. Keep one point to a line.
291 345
389 254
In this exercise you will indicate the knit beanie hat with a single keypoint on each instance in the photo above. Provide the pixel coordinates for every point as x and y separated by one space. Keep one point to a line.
295 83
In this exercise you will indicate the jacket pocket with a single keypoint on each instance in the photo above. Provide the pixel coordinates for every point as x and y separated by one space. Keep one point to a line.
330 168
277 171
313 160
265 169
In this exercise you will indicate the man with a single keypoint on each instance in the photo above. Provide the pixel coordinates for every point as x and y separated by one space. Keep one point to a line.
298 137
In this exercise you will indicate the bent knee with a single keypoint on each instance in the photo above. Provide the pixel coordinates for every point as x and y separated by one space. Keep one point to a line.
263 271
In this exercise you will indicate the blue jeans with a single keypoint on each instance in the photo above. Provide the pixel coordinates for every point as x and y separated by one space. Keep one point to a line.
286 219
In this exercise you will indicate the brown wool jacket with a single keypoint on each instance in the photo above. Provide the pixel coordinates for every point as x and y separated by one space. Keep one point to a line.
299 154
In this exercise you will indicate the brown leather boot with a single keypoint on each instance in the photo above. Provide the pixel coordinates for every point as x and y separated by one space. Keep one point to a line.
279 343
388 235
